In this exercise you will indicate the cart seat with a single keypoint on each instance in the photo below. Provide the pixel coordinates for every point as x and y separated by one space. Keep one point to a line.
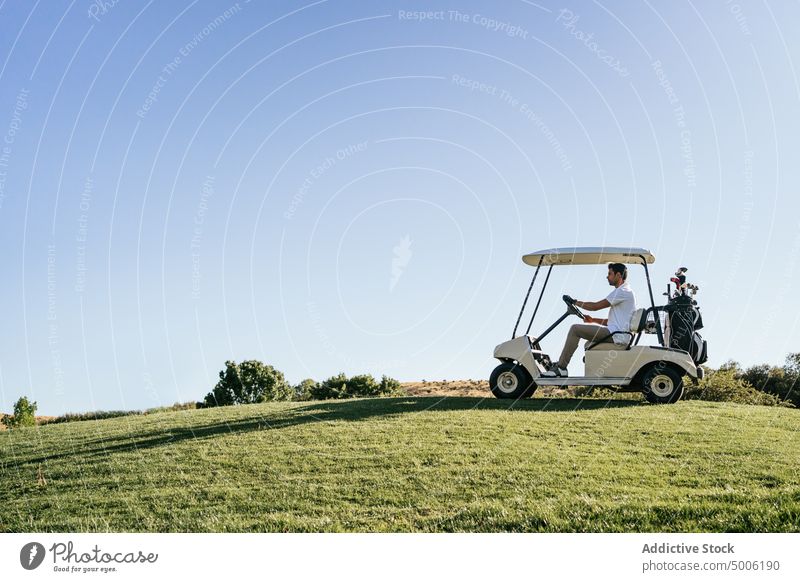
638 320
606 346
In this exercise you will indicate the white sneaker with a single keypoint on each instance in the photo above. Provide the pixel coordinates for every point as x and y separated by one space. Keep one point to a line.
555 371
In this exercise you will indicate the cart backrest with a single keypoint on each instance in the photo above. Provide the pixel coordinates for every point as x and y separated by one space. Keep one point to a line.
638 320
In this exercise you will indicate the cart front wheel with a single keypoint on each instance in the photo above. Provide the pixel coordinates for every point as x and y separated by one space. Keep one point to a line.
510 380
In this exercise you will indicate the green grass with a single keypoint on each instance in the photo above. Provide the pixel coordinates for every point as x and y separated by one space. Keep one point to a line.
411 464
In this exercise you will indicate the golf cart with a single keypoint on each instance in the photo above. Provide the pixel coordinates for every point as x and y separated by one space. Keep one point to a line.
657 371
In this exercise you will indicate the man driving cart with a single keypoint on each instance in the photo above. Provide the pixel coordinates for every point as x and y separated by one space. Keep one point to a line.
616 328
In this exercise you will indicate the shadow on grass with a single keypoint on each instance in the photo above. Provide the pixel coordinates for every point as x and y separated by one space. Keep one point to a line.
325 411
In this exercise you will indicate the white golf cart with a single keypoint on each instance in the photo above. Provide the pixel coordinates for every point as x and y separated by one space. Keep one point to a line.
657 371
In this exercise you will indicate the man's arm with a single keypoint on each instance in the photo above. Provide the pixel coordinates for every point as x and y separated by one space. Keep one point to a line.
593 305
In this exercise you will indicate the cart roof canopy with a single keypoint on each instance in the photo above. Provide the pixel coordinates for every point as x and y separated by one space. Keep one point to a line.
589 256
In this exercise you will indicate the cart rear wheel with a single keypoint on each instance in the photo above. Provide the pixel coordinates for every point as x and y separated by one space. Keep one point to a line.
662 384
510 380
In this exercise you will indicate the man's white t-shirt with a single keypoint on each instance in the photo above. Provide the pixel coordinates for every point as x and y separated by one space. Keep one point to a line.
623 304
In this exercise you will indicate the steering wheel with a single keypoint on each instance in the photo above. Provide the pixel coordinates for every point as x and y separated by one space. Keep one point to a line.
572 308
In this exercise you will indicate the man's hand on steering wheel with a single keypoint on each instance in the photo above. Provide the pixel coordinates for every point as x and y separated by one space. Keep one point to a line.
572 308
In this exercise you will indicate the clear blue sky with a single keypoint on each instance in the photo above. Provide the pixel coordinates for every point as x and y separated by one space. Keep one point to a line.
348 186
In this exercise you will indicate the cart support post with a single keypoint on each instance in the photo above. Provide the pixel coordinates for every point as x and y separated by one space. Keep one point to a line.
653 302
519 317
536 309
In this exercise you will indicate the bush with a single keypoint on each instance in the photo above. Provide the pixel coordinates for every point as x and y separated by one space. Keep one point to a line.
332 388
24 414
248 383
303 390
391 387
724 385
361 386
175 407
783 382
103 414
95 415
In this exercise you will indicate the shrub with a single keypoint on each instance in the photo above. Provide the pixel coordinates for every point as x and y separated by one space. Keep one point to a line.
103 414
95 415
303 390
333 387
783 382
363 385
391 387
175 407
24 414
724 385
247 383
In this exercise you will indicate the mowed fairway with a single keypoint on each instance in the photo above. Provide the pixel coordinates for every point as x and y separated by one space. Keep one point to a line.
411 464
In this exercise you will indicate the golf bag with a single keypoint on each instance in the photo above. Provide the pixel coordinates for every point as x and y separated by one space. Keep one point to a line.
683 319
